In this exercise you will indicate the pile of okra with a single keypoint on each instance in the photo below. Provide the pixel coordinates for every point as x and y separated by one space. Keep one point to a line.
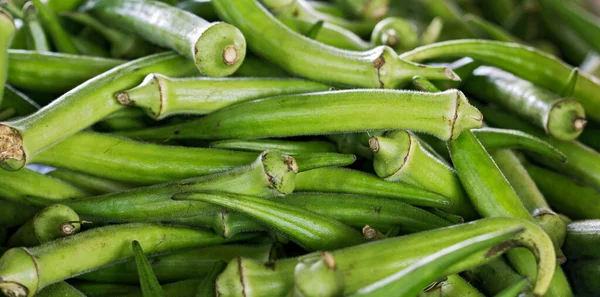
300 148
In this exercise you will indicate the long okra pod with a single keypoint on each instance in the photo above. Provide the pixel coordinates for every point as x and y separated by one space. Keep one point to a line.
290 147
91 101
14 214
61 72
454 286
582 239
497 139
208 285
584 23
562 118
367 263
16 186
376 68
60 38
53 222
526 62
493 276
162 96
7 29
60 289
225 223
148 282
25 271
90 184
217 49
444 115
36 37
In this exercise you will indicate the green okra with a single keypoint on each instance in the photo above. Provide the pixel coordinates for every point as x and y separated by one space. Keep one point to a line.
396 33
288 146
217 49
453 286
574 47
12 8
225 223
271 174
201 8
492 277
582 239
583 22
53 222
412 279
91 101
399 156
367 263
327 33
207 286
195 263
491 30
341 180
584 274
148 282
60 38
376 68
94 289
24 272
162 96
90 184
514 290
256 67
327 8
184 288
424 85
317 275
7 29
16 186
562 118
353 143
310 230
132 162
365 9
36 37
59 6
88 48
526 62
14 214
53 72
444 115
60 289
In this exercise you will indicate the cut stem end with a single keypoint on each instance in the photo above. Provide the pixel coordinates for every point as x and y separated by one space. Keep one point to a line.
12 155
230 55
579 124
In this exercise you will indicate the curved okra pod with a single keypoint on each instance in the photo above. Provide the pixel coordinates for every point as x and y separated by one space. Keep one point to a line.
90 184
91 101
16 186
23 272
60 38
445 115
61 72
365 9
341 180
287 146
217 49
396 33
162 96
7 32
36 37
582 239
376 68
562 118
310 230
271 174
53 222
367 263
526 62
148 282
14 214
399 156
411 280
584 274
207 287
195 263
316 275
60 289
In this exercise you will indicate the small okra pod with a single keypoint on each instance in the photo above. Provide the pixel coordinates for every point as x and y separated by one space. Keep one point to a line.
492 277
60 289
7 32
515 289
526 62
60 38
53 72
148 282
271 174
445 115
53 222
36 37
267 36
317 275
562 118
583 238
365 9
396 33
411 280
341 180
584 274
14 214
287 146
21 139
16 186
162 96
217 49
90 184
25 271
398 156
310 230
208 287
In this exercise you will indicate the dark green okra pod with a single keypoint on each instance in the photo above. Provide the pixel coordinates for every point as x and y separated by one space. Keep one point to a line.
584 275
17 186
365 9
583 22
376 68
493 276
23 272
91 101
562 118
148 282
53 222
90 184
36 37
162 96
14 214
225 223
317 275
217 49
526 62
583 238
60 38
7 32
444 115
288 146
60 289
93 289
185 288
208 285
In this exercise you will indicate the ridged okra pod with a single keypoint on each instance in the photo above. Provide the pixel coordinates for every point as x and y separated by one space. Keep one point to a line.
399 156
162 96
25 271
17 186
317 275
367 263
493 276
60 38
271 174
14 214
526 62
53 72
444 115
217 49
90 184
7 32
91 101
365 9
582 240
562 118
53 222
19 102
287 146
267 36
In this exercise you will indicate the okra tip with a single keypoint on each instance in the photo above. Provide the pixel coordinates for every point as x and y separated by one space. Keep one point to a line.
12 154
566 119
281 170
67 228
149 95
466 116
220 50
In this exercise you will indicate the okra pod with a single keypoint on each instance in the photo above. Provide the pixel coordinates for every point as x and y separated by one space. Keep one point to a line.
562 118
53 222
396 33
365 9
60 289
453 286
91 101
290 147
60 38
162 96
7 29
201 8
61 72
491 30
444 115
25 271
256 67
148 281
526 62
13 187
36 37
584 23
267 36
584 274
93 289
90 184
341 180
353 143
14 214
317 275
207 287
185 288
514 290
582 239
588 137
310 230
492 277
217 49
225 223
